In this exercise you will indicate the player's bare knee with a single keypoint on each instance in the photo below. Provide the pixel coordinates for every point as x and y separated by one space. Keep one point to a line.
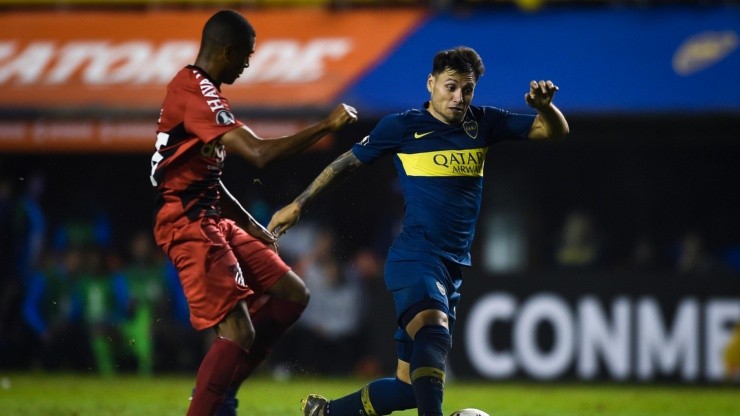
290 287
302 296
243 335
297 293
429 317
245 338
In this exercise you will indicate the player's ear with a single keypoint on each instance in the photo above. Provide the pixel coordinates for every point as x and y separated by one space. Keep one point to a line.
430 83
226 52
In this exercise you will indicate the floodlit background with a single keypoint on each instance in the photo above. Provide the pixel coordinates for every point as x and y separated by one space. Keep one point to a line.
613 255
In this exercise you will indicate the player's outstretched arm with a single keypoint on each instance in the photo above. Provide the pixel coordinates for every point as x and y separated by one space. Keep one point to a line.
550 122
262 151
337 170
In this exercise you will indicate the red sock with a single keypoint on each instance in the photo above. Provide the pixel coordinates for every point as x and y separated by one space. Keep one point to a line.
224 360
270 323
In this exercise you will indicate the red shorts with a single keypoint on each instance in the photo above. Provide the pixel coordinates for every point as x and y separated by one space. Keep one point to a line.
219 264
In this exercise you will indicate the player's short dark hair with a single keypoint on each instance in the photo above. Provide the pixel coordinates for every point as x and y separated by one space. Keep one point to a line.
463 60
227 27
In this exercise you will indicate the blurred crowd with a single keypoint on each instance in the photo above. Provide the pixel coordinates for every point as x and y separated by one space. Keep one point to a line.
75 294
582 243
74 298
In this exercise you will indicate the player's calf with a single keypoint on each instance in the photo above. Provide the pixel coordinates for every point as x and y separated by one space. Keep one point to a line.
431 345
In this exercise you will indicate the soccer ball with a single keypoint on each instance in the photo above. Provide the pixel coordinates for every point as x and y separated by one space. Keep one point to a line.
469 412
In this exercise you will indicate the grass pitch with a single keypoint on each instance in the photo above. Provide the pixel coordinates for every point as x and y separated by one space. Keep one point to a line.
82 395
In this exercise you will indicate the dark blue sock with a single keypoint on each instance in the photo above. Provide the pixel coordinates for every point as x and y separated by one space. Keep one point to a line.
431 345
230 403
380 397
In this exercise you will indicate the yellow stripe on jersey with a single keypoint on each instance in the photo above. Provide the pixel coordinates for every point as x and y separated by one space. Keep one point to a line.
465 162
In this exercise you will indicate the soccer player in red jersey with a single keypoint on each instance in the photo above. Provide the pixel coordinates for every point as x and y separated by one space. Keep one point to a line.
230 271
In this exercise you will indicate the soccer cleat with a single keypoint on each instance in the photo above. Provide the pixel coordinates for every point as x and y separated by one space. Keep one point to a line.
313 405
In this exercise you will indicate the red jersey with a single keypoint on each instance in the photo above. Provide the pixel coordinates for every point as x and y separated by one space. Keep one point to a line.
187 165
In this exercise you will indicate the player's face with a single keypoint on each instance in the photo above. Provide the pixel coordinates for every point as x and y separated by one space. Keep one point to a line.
451 95
237 60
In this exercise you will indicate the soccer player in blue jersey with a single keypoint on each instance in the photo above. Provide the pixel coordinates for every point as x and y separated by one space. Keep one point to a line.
439 152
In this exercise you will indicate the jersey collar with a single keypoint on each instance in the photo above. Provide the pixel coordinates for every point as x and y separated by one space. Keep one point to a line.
205 74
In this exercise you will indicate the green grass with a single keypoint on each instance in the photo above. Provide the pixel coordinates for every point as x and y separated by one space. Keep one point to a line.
80 395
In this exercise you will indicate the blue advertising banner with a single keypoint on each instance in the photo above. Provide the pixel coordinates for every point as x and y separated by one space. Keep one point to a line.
622 60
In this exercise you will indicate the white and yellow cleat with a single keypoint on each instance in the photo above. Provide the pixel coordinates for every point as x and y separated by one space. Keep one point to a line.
313 405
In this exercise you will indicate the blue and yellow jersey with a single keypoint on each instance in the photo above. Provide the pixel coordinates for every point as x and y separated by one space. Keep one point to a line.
440 168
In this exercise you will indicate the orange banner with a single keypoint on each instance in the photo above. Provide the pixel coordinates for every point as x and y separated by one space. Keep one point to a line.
123 60
92 135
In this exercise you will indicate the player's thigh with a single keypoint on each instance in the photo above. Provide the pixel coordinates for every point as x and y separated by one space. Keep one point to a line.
262 267
418 285
290 287
209 272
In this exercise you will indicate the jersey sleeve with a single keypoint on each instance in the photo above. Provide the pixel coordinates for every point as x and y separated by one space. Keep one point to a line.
384 138
506 125
209 118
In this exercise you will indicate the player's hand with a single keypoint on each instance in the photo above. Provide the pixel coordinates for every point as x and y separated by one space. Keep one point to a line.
259 232
540 94
285 218
342 115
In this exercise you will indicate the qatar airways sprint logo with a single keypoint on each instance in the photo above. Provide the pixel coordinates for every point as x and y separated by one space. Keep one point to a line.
465 162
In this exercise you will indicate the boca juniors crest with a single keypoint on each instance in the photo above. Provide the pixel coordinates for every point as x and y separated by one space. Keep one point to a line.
471 128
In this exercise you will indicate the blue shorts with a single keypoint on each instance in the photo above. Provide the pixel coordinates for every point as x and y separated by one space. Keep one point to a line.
420 281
